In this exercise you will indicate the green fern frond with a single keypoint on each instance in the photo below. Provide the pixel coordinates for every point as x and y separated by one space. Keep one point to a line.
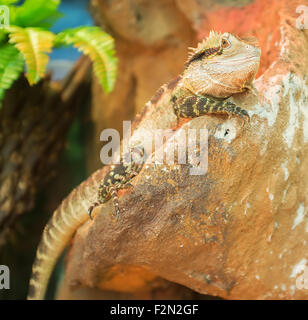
11 65
3 37
37 13
99 46
33 43
7 2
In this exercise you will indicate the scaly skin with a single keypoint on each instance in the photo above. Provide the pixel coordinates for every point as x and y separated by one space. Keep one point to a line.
67 218
187 105
72 212
221 65
118 178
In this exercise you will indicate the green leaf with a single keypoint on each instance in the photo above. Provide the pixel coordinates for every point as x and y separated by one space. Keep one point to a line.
5 10
37 13
7 2
99 46
11 65
33 43
3 36
12 9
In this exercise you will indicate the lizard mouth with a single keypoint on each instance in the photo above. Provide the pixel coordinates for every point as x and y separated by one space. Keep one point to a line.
242 60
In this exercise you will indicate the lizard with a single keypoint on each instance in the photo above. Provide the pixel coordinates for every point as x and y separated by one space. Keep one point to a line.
117 178
219 67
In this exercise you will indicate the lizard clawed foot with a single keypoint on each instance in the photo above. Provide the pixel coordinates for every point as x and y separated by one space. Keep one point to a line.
91 208
117 214
90 211
242 113
127 185
118 178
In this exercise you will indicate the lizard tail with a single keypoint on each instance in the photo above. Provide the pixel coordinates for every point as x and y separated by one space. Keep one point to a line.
72 212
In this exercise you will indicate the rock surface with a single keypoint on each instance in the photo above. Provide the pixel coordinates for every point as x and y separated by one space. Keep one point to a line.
241 230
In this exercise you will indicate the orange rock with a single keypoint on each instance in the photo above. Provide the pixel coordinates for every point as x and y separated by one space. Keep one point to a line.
241 230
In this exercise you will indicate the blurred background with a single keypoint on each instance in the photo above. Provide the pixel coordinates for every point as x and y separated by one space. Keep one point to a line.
20 234
48 145
75 14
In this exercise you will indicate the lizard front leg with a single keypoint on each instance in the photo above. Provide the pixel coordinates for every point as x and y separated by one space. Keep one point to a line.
118 178
111 191
192 106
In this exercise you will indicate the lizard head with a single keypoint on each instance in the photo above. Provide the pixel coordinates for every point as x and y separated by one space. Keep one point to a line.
222 65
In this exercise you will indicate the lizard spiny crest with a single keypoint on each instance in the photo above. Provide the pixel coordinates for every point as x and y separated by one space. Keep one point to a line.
207 47
222 65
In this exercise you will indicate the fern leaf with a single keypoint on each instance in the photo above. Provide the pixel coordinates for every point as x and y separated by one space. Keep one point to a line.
37 13
33 43
11 65
99 46
7 2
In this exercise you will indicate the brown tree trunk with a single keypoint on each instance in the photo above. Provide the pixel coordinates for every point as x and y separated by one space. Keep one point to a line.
33 125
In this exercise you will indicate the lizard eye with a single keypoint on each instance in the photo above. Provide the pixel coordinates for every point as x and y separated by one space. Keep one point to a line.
225 43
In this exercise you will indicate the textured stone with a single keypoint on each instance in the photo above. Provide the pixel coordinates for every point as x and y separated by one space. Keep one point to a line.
241 230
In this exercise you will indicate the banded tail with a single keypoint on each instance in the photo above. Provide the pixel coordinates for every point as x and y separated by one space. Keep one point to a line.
72 212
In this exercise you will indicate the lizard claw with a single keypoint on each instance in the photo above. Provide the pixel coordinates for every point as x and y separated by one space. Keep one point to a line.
245 115
127 185
117 214
232 109
242 113
90 212
95 204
